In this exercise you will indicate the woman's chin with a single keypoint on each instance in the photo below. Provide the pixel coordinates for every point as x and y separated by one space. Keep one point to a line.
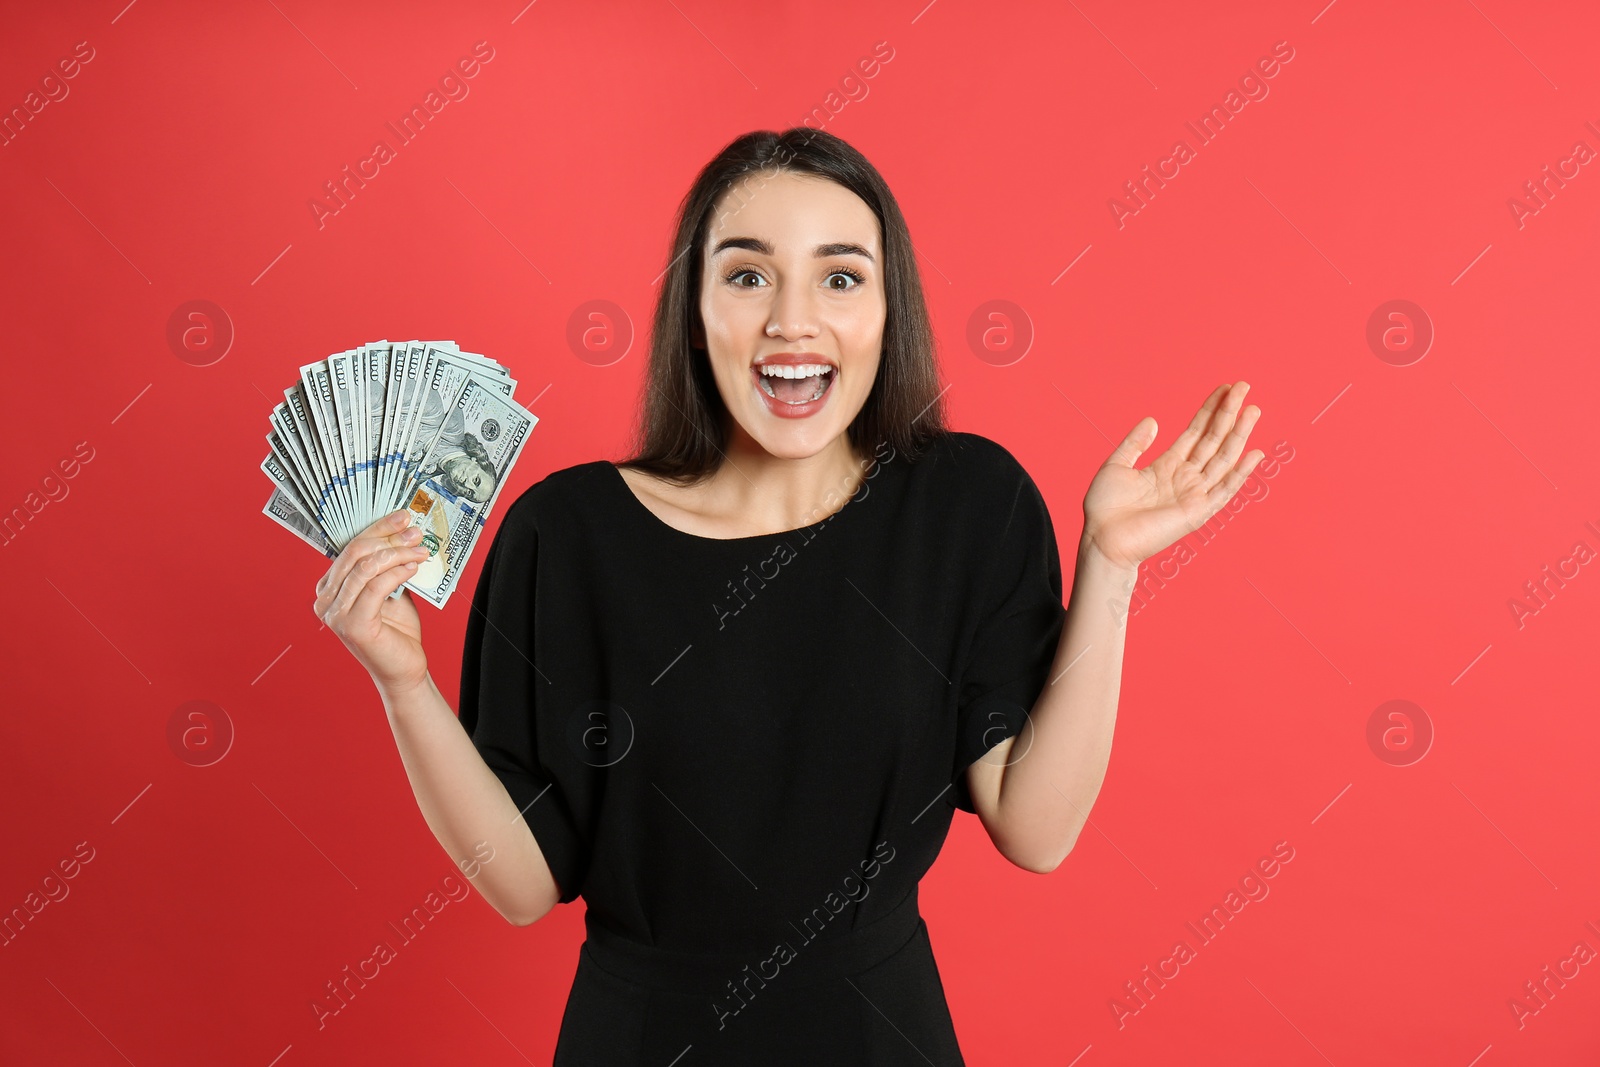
792 441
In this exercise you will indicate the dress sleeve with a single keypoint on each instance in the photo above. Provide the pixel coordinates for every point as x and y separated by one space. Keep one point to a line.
1015 643
501 690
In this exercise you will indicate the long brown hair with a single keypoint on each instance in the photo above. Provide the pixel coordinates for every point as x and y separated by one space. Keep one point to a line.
681 431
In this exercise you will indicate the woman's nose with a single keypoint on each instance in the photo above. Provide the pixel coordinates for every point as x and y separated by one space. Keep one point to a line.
793 313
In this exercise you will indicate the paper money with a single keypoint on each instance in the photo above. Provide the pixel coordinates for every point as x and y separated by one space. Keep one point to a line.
419 425
282 510
460 478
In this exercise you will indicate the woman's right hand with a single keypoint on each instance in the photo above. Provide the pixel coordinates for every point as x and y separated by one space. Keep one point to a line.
353 600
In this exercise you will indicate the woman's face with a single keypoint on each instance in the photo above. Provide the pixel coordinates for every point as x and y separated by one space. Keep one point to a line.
793 265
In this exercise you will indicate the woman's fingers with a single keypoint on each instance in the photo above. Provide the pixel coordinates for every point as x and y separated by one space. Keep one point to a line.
377 590
1133 446
390 532
369 567
1221 463
1191 434
1184 442
1219 494
1221 423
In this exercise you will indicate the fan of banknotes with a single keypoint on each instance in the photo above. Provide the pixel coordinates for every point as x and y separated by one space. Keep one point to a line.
419 425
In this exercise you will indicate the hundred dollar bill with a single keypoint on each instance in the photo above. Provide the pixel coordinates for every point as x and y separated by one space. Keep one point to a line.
372 378
291 422
459 481
358 426
281 509
317 455
318 381
410 394
284 463
283 478
367 368
341 372
421 370
391 392
447 377
338 431
478 362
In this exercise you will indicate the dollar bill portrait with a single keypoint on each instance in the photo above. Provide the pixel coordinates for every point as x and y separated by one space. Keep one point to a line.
459 462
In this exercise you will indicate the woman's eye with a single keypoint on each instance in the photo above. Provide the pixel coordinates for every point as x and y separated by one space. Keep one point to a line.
733 277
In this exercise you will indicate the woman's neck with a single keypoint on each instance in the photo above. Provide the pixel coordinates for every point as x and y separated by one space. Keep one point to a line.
754 492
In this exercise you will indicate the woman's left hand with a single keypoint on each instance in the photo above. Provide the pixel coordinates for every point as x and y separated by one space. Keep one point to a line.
1130 515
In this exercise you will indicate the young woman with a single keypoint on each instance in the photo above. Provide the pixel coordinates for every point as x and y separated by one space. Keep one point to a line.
731 690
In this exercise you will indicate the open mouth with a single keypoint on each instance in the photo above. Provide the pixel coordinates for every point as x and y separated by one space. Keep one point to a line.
802 384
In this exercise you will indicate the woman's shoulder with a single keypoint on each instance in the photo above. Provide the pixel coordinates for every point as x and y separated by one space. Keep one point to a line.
974 466
975 453
554 495
977 487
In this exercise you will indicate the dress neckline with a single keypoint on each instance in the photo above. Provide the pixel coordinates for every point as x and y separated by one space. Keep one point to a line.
656 520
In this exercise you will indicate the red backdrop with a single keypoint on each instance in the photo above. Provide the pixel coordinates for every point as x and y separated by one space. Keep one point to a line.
1440 903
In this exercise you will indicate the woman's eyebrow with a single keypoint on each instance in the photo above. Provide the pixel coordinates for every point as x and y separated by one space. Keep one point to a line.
756 244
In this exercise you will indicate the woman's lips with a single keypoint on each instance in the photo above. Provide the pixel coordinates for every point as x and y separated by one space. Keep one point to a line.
785 410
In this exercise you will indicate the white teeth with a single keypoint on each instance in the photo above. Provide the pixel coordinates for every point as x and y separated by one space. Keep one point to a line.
822 387
780 370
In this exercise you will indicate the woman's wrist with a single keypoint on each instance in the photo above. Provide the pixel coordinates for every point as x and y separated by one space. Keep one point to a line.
1090 554
1102 579
400 699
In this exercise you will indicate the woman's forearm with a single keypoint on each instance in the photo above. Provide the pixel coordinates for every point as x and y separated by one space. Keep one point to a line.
1047 790
467 807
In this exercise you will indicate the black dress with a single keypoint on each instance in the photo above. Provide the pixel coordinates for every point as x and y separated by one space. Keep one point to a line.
745 753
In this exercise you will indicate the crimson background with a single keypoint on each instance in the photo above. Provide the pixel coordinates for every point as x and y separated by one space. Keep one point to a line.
1418 502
